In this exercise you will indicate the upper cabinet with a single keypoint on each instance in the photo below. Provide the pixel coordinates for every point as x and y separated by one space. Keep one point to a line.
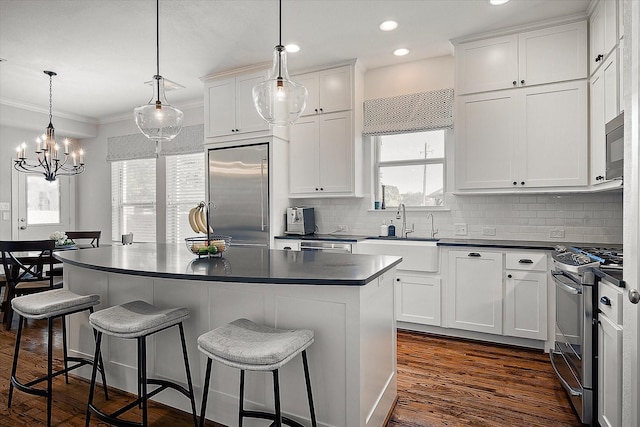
325 144
228 105
530 58
328 90
603 32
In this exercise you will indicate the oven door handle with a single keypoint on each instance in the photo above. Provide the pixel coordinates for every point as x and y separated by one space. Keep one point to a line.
562 283
572 391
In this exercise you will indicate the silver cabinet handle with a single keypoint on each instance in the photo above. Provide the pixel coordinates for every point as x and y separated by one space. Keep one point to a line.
560 281
572 391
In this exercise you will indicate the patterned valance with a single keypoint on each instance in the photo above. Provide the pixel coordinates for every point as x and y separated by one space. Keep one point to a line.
416 112
137 146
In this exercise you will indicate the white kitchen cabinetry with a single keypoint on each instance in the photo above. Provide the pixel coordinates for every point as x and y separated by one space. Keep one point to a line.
525 298
328 90
287 244
474 291
609 355
542 56
533 137
229 108
605 106
603 32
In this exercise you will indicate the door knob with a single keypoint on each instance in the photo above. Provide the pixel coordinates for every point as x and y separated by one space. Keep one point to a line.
23 227
634 296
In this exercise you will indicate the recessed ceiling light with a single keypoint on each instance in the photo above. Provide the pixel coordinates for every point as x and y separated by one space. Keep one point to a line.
401 52
388 25
498 2
292 48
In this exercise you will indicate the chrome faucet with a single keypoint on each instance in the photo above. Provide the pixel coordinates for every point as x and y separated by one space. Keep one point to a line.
433 232
401 213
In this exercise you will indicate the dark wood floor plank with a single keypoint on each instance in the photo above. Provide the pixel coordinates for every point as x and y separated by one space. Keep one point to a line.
441 382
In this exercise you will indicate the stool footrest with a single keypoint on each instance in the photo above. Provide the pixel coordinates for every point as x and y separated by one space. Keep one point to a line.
270 416
28 387
111 419
164 385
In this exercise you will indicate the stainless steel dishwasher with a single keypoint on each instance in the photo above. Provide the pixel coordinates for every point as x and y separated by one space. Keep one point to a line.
326 246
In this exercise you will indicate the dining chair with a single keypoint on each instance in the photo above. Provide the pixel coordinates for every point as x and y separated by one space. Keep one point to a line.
85 235
25 263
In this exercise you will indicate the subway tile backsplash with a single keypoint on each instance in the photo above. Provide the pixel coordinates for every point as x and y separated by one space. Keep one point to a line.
581 218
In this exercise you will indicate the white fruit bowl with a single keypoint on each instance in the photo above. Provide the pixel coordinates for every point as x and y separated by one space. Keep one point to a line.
203 246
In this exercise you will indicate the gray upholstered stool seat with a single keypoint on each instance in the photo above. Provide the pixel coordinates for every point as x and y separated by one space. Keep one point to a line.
50 305
249 346
137 320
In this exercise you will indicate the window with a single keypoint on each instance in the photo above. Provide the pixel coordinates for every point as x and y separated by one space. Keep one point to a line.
185 182
133 199
43 201
410 168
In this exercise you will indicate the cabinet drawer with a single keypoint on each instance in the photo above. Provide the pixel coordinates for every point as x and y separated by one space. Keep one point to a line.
610 302
536 261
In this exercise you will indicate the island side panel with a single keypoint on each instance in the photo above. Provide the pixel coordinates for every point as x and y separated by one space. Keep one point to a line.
349 327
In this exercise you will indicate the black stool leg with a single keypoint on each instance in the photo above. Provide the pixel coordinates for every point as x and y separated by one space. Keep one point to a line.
64 349
309 395
15 359
189 383
49 368
93 377
205 392
142 354
101 364
276 396
241 402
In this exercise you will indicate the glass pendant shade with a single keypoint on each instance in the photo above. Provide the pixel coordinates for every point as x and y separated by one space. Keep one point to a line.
279 101
158 120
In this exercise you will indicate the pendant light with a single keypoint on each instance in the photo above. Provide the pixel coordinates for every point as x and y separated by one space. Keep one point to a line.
158 120
279 101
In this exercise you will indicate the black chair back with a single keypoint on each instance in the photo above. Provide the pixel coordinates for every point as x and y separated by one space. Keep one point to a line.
93 235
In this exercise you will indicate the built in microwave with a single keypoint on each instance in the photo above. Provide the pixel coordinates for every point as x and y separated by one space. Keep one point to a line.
614 131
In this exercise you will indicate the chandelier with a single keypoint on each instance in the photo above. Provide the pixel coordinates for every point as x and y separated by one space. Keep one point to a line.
51 161
158 120
279 100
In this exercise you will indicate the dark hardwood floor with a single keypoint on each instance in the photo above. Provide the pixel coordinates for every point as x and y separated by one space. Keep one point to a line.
441 382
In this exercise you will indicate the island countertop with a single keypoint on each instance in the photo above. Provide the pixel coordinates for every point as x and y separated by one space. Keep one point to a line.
238 264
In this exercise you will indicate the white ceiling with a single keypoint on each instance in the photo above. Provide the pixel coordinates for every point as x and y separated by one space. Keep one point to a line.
104 50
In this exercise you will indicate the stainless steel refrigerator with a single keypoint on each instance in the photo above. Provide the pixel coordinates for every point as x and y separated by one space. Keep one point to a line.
239 193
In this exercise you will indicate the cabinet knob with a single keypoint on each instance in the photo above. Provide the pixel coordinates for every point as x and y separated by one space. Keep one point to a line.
515 83
321 189
237 130
521 82
317 189
515 183
397 279
233 130
522 183
599 177
316 110
599 58
321 110
509 276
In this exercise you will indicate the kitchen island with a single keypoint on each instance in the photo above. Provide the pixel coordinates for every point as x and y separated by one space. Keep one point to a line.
347 300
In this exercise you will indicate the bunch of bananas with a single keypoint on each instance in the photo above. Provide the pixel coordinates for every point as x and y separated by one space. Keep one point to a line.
197 219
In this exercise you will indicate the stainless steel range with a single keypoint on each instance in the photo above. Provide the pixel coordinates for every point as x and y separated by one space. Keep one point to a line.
574 356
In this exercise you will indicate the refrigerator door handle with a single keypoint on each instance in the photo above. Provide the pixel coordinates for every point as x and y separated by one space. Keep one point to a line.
262 163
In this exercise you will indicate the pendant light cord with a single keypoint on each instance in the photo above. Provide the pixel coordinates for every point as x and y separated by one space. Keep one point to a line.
280 40
158 37
50 98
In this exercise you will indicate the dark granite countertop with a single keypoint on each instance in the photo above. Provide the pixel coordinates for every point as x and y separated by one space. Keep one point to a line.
238 264
612 276
516 244
328 237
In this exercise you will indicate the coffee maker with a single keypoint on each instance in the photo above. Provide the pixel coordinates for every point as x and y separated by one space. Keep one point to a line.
300 221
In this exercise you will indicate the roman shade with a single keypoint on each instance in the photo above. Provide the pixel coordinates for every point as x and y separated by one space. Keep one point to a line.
137 146
415 112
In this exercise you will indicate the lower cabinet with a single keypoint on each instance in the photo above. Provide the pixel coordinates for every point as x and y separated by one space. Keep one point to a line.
418 298
609 355
474 291
498 292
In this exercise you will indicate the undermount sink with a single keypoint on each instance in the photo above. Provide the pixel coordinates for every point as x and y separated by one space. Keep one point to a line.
418 254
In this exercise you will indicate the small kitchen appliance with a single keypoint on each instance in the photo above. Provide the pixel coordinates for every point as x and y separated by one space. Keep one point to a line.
301 221
614 131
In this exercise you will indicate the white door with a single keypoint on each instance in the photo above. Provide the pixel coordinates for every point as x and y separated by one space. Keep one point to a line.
40 207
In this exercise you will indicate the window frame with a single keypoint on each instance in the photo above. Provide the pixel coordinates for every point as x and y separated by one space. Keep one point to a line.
377 164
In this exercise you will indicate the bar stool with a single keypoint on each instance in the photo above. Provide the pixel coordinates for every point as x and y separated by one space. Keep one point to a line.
51 305
138 319
248 346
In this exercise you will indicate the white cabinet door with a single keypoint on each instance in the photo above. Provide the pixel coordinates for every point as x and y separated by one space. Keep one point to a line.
303 156
220 107
328 90
553 54
418 299
486 65
486 140
609 373
553 135
335 153
525 304
603 26
247 117
474 295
